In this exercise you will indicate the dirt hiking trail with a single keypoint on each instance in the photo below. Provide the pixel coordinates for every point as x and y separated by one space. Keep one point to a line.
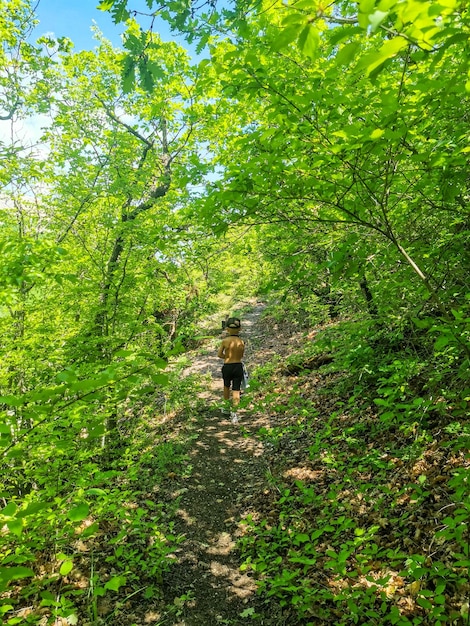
205 586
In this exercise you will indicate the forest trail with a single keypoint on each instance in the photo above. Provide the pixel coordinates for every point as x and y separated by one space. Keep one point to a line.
205 586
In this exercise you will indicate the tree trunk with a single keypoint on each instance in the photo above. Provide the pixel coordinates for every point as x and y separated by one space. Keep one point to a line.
371 306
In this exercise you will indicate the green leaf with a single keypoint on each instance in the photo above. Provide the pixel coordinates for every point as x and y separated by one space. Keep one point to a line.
287 36
115 583
90 530
11 400
14 573
203 64
345 32
99 591
124 353
377 133
386 5
33 508
15 526
424 602
9 510
96 491
86 385
79 512
133 44
97 431
161 379
376 18
106 5
381 402
309 40
389 49
120 12
159 363
366 6
5 608
66 567
66 376
156 70
441 342
347 53
440 588
128 74
304 560
146 81
363 20
422 323
46 394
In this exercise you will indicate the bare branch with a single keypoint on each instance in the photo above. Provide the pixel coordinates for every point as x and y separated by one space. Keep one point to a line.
129 128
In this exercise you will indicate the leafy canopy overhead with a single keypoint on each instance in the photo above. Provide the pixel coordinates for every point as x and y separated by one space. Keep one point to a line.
431 25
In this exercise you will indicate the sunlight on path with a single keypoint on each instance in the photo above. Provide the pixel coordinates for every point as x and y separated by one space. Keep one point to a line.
209 364
227 469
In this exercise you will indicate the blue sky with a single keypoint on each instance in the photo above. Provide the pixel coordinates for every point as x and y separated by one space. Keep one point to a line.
74 18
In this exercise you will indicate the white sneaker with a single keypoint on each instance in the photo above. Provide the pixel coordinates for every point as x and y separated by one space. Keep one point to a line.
234 418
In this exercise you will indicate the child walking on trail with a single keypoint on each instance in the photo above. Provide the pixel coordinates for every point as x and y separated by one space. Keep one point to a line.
231 350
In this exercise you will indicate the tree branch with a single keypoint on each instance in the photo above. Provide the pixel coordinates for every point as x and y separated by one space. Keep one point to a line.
128 127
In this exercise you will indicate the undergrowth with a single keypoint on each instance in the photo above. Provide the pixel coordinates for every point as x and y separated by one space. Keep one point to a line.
368 521
85 530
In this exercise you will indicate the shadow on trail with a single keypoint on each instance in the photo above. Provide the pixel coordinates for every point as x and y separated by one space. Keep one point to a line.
207 568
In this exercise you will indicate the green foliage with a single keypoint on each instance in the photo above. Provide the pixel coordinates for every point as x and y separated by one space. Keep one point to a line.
117 9
340 545
304 157
74 502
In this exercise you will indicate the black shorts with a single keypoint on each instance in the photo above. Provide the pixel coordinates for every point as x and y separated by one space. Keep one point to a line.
232 374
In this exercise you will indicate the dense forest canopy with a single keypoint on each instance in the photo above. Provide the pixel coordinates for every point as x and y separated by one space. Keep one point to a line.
316 153
351 120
